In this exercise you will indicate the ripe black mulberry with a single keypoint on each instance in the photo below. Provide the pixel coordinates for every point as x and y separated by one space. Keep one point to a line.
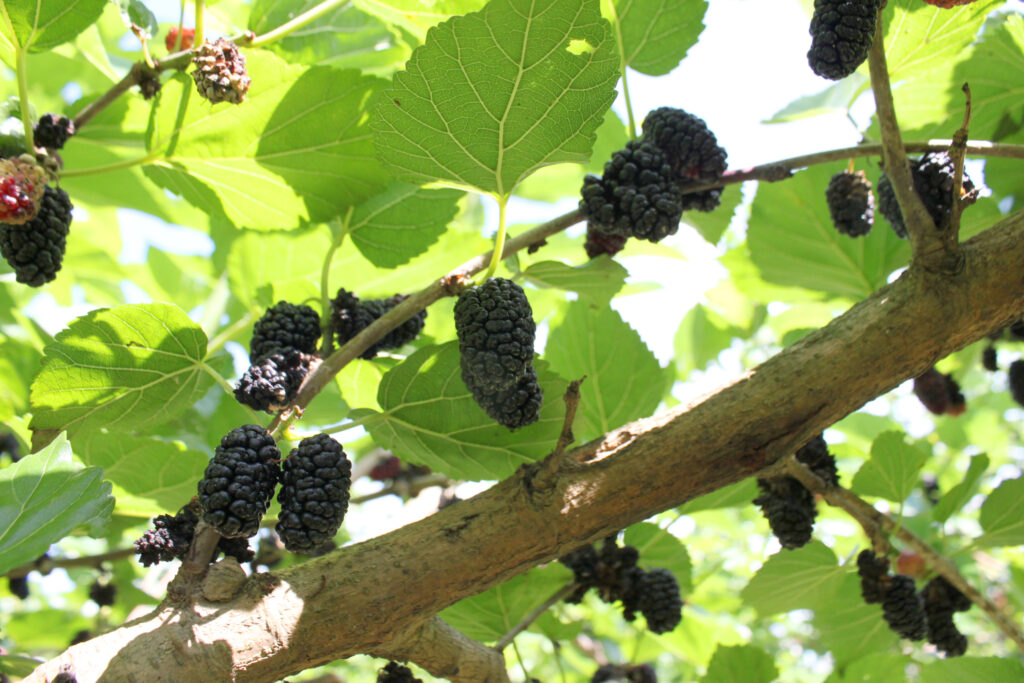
396 673
239 482
871 569
636 197
284 327
841 35
989 358
939 393
789 509
660 602
903 608
941 600
35 249
1016 378
850 203
220 73
934 177
52 131
315 481
271 383
494 324
171 537
350 316
103 594
18 585
693 153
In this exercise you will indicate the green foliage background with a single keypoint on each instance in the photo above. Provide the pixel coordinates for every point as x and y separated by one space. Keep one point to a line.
360 156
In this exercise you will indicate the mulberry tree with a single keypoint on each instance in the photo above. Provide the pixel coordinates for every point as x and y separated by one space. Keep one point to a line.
351 412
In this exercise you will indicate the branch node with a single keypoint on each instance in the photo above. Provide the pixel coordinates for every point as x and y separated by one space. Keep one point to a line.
547 472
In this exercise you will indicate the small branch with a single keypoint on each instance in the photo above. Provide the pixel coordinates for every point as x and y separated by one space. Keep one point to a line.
562 593
859 509
295 24
447 653
23 102
547 474
195 563
405 487
933 248
135 75
957 152
69 562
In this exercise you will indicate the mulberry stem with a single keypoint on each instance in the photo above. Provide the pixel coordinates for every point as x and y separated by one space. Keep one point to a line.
325 289
296 23
499 240
622 67
23 103
200 11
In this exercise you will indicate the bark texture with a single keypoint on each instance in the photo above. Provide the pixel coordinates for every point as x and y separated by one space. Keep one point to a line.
381 596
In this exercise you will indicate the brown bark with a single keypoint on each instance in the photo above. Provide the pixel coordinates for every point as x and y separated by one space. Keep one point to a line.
380 596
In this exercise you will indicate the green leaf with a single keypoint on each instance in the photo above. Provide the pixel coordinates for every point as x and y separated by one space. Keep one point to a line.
297 151
712 226
293 255
835 99
416 16
958 496
972 670
747 663
345 37
44 496
879 667
661 550
596 281
490 615
402 222
122 368
431 419
39 26
18 665
656 34
793 242
359 381
135 12
733 495
795 579
892 471
1002 515
920 39
594 343
702 335
151 476
493 95
849 628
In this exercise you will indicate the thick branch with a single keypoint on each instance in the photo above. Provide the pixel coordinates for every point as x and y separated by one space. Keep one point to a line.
362 598
447 653
852 503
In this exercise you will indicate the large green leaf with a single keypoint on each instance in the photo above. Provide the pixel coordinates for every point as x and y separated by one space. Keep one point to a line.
297 150
656 34
795 579
892 471
702 335
402 222
837 98
1002 515
493 95
973 670
878 667
431 419
713 225
44 496
849 628
920 39
793 242
661 550
122 368
594 343
417 16
733 495
150 476
747 663
596 281
39 26
490 615
958 496
345 37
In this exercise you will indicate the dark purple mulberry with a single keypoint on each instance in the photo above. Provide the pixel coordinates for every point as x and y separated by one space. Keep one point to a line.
903 608
934 177
660 602
315 481
850 203
52 131
271 383
871 569
239 481
350 316
282 328
35 250
692 151
841 35
396 673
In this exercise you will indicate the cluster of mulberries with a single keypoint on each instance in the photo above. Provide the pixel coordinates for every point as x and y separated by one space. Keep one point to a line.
626 673
282 348
315 481
939 393
614 574
103 593
934 177
220 73
850 203
350 316
52 131
239 482
394 672
787 505
495 328
911 614
170 538
841 35
35 250
643 190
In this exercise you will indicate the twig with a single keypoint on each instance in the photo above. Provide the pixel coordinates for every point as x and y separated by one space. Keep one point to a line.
548 470
859 509
958 151
69 562
562 593
406 487
196 561
932 248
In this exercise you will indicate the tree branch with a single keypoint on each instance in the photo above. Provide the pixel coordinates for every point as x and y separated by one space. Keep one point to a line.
549 468
364 597
448 653
524 623
859 509
958 151
44 567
